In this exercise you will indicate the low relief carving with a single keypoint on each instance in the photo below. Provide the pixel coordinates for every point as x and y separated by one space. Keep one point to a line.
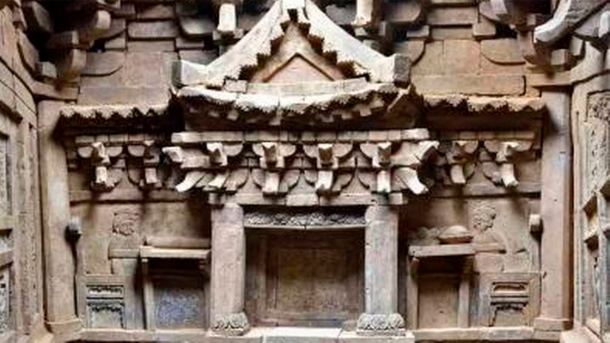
304 219
485 238
111 155
380 324
125 230
495 153
391 161
327 158
106 314
598 115
101 291
272 156
231 324
509 299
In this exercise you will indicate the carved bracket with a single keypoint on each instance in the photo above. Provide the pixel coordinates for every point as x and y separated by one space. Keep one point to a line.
208 168
150 154
503 153
398 168
272 156
105 177
329 158
496 153
110 156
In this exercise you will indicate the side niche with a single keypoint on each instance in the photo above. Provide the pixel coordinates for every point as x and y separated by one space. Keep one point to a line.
472 263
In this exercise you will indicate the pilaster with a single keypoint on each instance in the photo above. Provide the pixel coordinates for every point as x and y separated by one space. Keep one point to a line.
228 280
59 259
556 214
381 273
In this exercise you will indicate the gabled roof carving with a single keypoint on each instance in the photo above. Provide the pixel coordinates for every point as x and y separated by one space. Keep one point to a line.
226 89
257 46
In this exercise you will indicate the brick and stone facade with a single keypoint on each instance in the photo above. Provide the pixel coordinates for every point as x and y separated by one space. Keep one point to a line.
311 171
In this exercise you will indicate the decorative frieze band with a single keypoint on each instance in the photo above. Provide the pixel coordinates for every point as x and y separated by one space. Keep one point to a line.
326 160
382 162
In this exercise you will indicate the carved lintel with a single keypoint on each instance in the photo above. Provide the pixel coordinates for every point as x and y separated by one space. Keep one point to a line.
425 149
273 154
461 151
506 151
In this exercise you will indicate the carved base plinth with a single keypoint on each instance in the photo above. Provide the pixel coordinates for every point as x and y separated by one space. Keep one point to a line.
234 324
381 325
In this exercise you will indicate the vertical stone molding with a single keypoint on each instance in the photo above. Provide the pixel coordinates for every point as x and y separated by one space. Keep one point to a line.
381 273
59 259
556 213
228 277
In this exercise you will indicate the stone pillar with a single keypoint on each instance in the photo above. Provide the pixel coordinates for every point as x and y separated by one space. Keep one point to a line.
55 205
556 212
381 273
228 278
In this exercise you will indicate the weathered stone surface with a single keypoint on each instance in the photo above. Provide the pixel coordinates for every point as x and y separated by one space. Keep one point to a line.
502 51
291 184
443 16
461 57
102 64
476 85
152 30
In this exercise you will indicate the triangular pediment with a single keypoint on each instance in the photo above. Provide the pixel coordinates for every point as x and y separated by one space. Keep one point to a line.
296 60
